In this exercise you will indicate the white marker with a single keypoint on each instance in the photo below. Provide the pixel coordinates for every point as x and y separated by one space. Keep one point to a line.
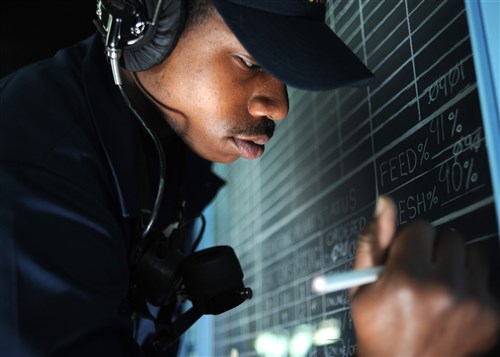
345 280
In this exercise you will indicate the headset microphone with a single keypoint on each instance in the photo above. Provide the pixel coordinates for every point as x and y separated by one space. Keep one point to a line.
213 282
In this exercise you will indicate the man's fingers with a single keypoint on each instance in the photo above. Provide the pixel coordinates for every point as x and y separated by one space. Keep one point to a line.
449 253
377 236
413 248
386 223
477 268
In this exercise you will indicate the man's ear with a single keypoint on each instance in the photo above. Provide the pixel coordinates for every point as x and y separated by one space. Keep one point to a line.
143 33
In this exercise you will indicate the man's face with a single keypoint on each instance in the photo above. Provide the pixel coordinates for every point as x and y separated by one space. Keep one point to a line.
214 95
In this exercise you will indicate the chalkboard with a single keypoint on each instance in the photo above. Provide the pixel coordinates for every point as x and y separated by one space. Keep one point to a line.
415 134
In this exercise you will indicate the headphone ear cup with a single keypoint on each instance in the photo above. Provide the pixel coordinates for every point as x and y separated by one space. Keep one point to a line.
159 43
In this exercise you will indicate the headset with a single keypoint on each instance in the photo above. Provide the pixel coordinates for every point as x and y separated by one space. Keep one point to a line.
139 34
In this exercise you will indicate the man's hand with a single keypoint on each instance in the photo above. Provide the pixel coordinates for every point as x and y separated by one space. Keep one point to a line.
432 298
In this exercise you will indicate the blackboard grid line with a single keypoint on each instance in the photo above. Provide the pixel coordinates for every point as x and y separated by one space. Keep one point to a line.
277 205
469 192
275 149
275 310
438 33
394 115
336 266
351 114
459 213
382 86
418 76
362 141
275 176
308 238
465 92
381 44
259 214
415 82
336 122
416 7
227 327
346 98
458 63
268 231
273 179
317 154
327 137
231 325
345 264
263 298
278 144
368 16
315 235
333 5
279 177
280 152
450 147
482 239
345 136
346 25
339 136
431 15
290 154
326 168
382 21
425 173
388 54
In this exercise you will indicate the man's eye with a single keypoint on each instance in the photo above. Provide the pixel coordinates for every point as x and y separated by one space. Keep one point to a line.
250 65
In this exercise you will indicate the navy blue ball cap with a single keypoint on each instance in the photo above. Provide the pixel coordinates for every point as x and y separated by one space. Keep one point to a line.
291 41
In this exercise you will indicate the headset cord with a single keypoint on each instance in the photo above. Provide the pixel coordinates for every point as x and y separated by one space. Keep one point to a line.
162 169
156 141
200 234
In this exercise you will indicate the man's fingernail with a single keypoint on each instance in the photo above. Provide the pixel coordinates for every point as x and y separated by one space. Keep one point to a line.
381 205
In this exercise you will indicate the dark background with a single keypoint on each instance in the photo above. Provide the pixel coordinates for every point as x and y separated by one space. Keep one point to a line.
34 30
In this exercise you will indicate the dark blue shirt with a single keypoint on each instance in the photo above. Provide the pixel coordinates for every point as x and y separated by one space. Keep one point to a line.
70 196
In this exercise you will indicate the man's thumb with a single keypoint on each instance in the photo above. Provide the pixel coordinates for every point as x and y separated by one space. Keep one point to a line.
375 239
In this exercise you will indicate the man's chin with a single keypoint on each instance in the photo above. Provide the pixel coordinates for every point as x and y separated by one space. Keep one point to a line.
219 159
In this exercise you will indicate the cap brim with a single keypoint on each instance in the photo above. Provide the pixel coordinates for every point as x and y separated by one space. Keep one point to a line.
300 52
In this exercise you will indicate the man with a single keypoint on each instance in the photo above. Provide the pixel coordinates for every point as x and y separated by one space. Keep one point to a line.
78 167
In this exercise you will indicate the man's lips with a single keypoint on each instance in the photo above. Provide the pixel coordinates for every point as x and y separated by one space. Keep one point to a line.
250 147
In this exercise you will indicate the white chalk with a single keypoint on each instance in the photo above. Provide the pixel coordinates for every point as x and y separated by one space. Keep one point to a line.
345 280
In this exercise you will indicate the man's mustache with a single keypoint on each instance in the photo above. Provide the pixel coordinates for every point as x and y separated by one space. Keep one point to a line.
262 127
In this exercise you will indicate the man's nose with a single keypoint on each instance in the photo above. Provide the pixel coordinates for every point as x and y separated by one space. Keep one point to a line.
270 102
